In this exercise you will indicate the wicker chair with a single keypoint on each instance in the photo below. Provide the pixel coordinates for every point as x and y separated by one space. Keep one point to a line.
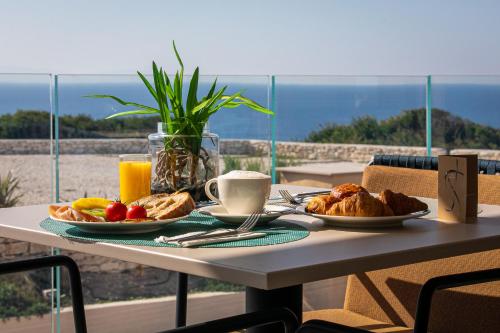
385 300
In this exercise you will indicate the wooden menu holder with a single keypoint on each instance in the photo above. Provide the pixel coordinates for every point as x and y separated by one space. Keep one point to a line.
457 188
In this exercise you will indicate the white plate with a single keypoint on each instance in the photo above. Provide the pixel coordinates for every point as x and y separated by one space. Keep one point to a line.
221 214
367 222
121 227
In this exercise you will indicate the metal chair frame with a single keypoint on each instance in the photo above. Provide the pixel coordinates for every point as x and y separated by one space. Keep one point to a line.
74 280
423 311
277 315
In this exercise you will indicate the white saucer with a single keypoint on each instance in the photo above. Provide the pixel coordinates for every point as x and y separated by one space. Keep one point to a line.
221 214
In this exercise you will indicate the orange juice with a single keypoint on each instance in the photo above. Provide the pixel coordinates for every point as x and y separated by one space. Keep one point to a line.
135 179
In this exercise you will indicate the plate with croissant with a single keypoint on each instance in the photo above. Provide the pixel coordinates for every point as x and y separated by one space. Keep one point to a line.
99 215
352 206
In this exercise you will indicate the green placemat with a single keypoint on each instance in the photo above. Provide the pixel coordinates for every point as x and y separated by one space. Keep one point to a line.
278 232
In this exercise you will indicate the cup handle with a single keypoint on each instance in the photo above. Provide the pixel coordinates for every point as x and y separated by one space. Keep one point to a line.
207 190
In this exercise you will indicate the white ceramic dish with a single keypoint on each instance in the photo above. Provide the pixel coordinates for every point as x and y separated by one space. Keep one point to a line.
221 214
121 227
367 222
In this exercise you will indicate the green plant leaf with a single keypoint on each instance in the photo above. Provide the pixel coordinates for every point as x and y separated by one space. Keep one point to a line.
201 105
177 55
183 117
206 111
178 87
251 104
132 112
226 101
148 85
179 76
193 88
212 89
159 85
122 102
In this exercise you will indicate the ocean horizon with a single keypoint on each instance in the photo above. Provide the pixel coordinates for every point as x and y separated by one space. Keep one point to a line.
300 109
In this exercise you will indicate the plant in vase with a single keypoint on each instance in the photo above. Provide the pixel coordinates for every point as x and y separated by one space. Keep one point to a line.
184 154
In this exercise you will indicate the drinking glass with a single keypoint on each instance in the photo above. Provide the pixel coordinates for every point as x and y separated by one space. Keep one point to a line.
135 177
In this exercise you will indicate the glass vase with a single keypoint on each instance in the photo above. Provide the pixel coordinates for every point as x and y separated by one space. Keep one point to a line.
183 162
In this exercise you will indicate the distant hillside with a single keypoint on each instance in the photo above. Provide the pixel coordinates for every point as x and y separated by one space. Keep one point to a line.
28 124
408 129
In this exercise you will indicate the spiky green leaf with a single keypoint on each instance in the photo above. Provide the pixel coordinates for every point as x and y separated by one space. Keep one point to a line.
193 89
132 112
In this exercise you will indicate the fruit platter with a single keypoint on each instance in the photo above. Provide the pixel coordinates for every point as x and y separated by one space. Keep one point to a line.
146 214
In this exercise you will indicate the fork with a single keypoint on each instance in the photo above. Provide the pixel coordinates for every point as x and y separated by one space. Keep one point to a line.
292 209
246 226
289 197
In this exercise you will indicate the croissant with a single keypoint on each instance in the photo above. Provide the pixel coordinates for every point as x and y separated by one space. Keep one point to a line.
360 204
320 204
401 204
346 190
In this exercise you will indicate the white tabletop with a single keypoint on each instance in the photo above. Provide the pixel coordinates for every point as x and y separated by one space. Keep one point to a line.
327 252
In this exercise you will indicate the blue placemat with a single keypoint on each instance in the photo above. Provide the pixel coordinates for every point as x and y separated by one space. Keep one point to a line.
278 232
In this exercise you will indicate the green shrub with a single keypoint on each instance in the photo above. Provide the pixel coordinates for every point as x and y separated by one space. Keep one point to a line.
211 285
19 297
285 160
231 163
409 129
35 124
255 165
8 188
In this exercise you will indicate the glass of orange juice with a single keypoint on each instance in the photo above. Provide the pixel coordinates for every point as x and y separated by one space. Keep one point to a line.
135 177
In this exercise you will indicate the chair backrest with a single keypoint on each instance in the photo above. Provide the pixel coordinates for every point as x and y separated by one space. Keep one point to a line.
489 167
423 183
390 295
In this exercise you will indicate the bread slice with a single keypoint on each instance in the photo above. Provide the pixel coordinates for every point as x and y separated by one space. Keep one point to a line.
167 206
150 200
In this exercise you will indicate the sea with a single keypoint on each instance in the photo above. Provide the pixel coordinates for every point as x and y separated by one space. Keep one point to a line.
300 108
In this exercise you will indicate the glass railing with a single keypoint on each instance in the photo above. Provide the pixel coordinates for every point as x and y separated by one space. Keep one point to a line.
324 120
466 115
321 122
87 164
26 178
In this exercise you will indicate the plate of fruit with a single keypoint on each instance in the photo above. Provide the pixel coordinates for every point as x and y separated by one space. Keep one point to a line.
147 214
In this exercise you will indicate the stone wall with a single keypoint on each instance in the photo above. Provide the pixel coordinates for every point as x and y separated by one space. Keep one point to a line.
486 154
74 146
345 152
297 150
12 249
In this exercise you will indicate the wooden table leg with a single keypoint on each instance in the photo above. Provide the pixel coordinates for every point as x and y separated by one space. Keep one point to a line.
258 299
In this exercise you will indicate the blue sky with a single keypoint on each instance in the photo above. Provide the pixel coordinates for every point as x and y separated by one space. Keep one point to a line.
252 37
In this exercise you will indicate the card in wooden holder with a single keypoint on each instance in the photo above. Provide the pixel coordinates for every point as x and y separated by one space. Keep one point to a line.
457 188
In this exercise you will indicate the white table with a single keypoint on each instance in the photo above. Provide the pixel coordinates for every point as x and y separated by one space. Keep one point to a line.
274 274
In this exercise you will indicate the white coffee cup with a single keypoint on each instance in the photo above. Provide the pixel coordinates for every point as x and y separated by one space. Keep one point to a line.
241 192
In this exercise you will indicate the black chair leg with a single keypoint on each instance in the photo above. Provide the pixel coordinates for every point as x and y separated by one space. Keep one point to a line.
74 279
181 301
284 316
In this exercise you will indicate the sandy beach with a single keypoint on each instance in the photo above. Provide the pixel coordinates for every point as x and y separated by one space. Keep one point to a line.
93 175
